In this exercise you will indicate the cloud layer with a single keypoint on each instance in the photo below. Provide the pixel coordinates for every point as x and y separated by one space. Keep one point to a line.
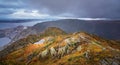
69 8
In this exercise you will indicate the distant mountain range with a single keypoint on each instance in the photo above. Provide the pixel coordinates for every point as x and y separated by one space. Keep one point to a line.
105 28
18 20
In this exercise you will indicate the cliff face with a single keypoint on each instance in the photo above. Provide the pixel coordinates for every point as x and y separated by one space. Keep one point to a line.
59 48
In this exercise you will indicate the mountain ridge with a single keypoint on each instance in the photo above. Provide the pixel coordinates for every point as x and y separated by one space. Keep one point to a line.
65 49
30 39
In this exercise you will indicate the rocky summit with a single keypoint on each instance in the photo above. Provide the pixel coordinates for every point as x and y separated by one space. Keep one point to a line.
55 47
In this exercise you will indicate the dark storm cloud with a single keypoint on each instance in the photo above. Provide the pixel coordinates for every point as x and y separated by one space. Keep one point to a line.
75 8
79 8
9 6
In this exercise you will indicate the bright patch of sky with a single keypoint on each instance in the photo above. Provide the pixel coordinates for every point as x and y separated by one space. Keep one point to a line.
28 14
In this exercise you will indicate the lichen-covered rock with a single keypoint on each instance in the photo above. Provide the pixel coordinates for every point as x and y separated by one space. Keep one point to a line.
62 51
68 41
87 54
82 36
44 53
53 51
48 39
72 41
79 48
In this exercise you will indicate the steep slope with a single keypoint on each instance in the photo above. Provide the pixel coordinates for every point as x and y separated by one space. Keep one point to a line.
52 31
6 35
24 34
79 48
11 32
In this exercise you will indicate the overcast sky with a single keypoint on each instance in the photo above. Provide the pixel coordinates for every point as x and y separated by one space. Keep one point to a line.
60 8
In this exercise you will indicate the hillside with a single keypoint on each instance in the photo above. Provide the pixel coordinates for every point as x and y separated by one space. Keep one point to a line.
11 32
8 34
54 47
105 28
52 31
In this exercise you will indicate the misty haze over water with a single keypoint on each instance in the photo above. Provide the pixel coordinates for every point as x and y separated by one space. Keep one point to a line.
11 25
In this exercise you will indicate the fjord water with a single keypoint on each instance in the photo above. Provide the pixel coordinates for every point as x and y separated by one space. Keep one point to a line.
5 40
12 25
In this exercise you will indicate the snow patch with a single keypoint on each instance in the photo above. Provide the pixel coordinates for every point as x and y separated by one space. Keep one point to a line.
40 42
